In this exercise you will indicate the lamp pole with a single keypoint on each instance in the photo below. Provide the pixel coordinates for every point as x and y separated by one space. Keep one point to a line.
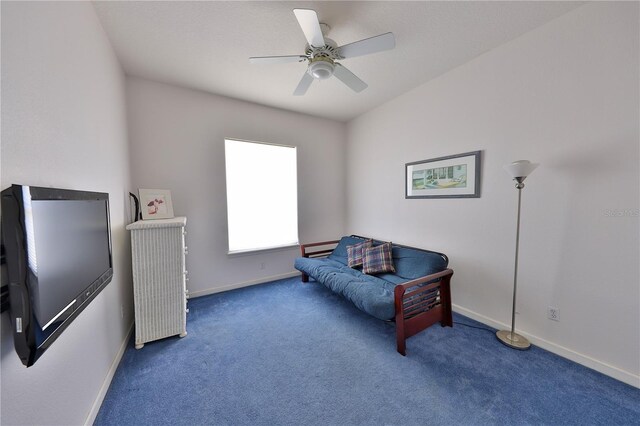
519 186
519 171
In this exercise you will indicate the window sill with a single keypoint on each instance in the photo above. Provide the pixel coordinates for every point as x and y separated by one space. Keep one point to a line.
261 250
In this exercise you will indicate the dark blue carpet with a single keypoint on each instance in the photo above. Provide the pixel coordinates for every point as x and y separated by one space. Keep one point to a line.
287 353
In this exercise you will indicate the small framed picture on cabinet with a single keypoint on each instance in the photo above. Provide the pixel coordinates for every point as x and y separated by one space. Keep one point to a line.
155 204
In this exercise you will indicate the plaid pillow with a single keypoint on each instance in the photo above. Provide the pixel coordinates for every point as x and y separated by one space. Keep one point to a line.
378 259
355 253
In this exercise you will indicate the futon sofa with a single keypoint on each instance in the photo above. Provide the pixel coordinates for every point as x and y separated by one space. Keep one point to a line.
415 296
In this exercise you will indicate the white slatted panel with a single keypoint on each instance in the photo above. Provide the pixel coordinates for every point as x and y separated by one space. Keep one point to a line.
157 249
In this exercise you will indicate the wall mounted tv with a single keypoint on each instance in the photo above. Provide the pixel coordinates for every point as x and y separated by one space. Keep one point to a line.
58 253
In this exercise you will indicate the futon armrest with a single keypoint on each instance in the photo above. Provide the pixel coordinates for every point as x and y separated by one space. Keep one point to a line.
318 253
427 278
322 252
420 303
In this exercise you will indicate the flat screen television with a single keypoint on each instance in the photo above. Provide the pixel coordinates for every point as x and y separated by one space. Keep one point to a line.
58 256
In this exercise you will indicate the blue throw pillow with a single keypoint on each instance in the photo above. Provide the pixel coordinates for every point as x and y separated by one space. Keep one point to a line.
378 259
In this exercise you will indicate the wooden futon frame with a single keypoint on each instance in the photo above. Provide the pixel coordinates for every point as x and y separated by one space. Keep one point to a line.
419 303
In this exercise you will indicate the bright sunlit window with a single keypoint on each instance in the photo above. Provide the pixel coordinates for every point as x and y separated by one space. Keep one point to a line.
262 195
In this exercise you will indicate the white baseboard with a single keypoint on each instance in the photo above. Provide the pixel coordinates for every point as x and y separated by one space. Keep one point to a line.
587 361
107 380
214 290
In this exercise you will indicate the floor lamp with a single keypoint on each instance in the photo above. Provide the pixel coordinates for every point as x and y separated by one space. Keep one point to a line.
519 170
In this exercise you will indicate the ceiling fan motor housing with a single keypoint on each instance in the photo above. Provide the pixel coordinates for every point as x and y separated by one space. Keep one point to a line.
321 62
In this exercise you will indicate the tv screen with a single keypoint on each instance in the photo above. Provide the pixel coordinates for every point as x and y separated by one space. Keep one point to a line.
58 254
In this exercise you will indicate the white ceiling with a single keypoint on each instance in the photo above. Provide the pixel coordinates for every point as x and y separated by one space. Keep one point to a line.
206 45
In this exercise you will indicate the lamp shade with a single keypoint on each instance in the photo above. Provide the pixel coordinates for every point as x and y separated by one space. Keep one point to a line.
520 169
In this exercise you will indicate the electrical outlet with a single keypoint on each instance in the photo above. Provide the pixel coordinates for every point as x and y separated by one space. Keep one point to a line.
553 313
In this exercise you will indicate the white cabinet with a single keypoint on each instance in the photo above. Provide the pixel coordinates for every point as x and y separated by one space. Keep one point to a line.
159 278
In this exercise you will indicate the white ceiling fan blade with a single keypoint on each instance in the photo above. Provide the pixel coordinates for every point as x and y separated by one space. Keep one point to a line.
349 78
304 84
276 59
375 44
308 20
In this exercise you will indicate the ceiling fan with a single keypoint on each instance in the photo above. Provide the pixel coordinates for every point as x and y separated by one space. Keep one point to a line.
323 53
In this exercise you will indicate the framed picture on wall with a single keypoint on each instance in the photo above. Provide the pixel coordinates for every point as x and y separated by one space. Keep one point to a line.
155 203
454 176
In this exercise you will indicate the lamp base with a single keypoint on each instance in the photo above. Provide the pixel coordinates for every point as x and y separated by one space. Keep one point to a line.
514 340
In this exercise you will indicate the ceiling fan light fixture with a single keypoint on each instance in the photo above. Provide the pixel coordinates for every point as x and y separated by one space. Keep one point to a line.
321 69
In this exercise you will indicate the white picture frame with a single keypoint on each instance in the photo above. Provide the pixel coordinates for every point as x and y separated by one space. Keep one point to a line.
155 204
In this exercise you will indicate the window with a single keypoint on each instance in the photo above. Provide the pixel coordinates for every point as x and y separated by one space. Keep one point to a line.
262 195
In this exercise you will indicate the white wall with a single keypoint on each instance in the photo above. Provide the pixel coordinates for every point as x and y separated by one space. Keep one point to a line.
177 143
64 125
564 95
